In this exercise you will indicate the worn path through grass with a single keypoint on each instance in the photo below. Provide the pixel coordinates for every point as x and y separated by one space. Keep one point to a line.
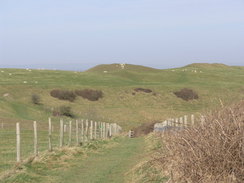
110 165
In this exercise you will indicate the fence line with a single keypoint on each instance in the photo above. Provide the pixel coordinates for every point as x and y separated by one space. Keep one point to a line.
181 122
21 140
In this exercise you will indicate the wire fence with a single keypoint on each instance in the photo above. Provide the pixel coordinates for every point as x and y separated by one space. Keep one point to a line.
23 140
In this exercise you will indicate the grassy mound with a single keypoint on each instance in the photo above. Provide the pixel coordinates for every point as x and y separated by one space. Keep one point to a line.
207 65
119 67
210 152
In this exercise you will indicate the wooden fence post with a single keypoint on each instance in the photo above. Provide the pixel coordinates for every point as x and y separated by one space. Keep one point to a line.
116 129
95 130
110 130
77 132
176 122
101 129
35 139
64 128
181 122
49 134
86 132
82 130
17 142
185 121
192 119
61 140
91 130
70 133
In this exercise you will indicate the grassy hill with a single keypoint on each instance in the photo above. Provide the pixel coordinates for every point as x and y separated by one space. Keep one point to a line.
120 103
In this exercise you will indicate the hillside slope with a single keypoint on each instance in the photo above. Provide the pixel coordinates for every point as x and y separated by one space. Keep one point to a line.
120 102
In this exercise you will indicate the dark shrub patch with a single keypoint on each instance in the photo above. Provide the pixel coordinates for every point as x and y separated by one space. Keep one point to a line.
143 90
36 99
92 95
186 94
133 93
144 129
63 95
66 111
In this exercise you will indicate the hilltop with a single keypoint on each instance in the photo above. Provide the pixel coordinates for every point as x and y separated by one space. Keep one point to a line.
121 67
120 101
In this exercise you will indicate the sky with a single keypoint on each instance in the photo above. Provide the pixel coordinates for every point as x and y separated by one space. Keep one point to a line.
76 34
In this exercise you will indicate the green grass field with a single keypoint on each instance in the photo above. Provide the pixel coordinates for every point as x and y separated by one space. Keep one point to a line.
99 161
213 82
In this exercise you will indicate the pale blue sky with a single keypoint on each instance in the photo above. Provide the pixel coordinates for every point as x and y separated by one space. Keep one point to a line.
158 33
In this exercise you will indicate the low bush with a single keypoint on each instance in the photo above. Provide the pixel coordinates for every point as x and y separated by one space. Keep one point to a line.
186 94
66 111
143 90
36 99
92 95
63 95
210 152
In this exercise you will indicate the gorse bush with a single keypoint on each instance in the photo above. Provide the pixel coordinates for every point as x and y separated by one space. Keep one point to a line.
186 94
92 95
63 95
212 151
